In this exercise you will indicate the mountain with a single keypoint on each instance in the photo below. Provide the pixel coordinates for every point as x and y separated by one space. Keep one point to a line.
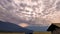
38 28
10 27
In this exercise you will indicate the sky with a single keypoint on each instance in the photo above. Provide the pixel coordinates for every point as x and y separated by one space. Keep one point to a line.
30 12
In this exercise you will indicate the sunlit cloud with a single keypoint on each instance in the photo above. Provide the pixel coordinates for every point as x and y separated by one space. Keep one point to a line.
23 25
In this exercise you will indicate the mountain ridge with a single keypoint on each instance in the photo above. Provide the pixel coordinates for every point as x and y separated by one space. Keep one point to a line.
6 26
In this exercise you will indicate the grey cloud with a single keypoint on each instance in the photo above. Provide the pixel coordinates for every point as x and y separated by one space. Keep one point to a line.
10 9
58 6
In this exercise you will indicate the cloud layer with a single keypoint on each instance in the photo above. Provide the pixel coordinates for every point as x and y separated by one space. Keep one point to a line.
33 12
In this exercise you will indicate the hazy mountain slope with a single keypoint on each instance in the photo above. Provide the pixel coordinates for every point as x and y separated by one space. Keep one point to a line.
10 27
38 28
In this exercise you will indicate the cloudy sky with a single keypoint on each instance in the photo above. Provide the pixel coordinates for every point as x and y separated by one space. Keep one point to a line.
30 12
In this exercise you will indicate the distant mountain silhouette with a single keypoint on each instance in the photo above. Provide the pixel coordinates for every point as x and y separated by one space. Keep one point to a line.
38 28
10 27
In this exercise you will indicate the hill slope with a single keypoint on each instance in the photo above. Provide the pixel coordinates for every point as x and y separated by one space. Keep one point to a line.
6 26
